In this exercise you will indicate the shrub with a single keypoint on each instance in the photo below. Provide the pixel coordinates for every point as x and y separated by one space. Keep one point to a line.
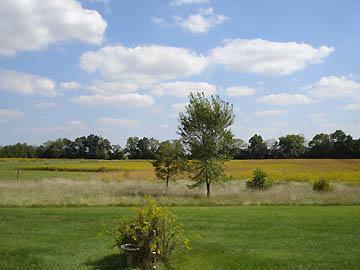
322 185
258 180
151 229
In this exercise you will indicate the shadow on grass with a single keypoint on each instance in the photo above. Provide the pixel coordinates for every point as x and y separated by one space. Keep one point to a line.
110 262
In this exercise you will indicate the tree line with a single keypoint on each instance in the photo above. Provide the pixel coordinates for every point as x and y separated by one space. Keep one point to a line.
334 145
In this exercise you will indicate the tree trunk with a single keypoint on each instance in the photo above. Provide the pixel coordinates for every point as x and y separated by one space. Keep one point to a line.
207 189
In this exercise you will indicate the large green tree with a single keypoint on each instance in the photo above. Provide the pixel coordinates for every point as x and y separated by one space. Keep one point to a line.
205 131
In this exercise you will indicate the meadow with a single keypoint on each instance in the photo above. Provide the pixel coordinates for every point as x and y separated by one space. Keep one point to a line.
298 170
66 183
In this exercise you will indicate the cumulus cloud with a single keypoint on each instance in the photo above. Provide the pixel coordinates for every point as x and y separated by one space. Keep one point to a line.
240 90
286 99
108 121
45 105
183 89
123 100
113 87
11 114
186 2
333 86
34 25
266 57
268 113
70 85
27 84
201 22
145 65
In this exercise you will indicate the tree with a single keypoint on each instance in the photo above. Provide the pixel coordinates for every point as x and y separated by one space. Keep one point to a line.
204 130
342 144
291 146
320 146
257 147
169 159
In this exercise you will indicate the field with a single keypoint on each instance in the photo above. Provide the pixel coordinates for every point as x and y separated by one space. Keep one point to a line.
57 183
262 237
299 170
50 217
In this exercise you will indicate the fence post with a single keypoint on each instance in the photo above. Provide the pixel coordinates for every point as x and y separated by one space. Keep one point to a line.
18 175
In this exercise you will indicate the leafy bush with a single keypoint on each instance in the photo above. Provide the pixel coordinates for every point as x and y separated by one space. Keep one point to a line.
151 229
322 185
258 180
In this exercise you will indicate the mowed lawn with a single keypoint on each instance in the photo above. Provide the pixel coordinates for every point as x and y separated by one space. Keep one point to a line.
257 237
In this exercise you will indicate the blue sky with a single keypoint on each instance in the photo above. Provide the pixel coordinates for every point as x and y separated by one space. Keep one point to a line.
125 68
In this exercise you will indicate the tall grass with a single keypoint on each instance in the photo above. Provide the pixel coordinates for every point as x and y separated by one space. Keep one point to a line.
67 192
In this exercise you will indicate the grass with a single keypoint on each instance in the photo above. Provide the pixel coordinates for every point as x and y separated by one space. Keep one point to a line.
67 192
277 237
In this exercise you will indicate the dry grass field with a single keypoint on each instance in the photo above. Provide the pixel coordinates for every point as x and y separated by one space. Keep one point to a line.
123 183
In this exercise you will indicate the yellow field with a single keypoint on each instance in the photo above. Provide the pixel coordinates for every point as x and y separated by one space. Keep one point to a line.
300 170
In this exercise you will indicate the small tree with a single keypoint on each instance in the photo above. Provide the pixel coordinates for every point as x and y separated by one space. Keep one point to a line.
204 129
258 181
169 160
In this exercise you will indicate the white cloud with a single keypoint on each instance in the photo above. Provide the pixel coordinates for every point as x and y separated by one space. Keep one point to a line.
143 66
45 105
240 90
70 85
108 121
27 84
183 89
286 99
351 107
157 20
123 100
179 107
69 126
186 2
266 57
36 24
268 113
202 21
11 114
111 88
334 86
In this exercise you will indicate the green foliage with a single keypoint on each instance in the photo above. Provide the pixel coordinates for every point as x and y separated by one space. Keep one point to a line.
258 181
322 185
204 130
151 229
169 160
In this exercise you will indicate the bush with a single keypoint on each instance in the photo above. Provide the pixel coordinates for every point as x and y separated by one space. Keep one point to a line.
151 229
258 181
322 185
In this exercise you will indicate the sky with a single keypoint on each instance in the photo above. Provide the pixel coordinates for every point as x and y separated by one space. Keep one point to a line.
125 68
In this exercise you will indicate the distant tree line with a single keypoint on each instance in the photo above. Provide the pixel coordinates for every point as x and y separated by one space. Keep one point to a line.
334 145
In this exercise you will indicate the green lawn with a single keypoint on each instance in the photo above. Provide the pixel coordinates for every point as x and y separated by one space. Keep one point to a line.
263 237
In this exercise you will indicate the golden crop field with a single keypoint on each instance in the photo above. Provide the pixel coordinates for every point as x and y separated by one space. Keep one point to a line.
300 170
